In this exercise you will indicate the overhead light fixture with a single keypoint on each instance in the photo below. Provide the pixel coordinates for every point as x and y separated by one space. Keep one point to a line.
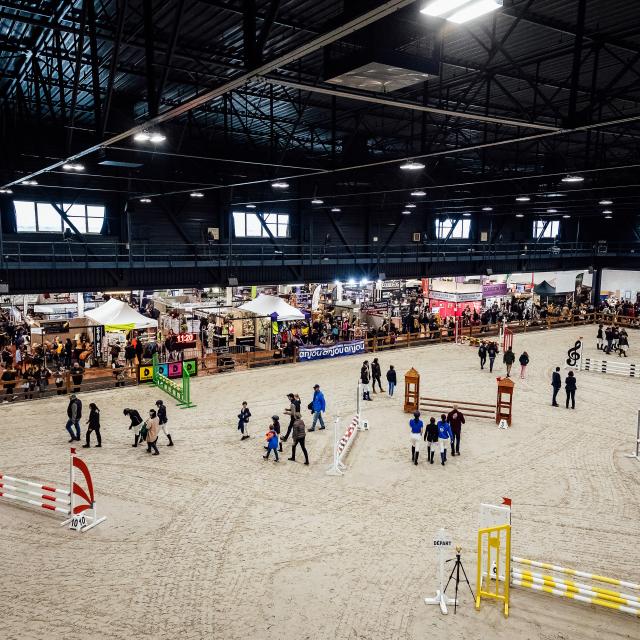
145 200
552 211
555 195
351 281
487 208
466 215
608 216
573 179
149 136
523 199
566 215
410 206
280 184
317 201
406 212
8 191
251 206
519 215
412 165
29 182
474 10
607 211
73 167
605 202
197 194
336 210
419 193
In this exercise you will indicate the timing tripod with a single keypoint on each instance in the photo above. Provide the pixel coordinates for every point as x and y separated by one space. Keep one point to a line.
456 569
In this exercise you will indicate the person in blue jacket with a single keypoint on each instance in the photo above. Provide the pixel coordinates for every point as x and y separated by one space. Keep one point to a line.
415 424
318 406
272 444
445 436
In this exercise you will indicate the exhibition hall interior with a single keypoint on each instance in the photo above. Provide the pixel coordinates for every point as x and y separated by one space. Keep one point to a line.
320 319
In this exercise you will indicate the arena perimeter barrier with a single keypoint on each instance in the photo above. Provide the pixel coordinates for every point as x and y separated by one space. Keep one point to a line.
182 395
76 502
519 575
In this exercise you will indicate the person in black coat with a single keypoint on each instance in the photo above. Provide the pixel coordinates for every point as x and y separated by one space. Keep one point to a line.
364 380
570 387
556 383
482 354
492 352
94 425
136 421
392 380
376 374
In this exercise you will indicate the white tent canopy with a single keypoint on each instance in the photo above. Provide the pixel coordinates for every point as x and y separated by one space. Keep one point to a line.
265 305
116 315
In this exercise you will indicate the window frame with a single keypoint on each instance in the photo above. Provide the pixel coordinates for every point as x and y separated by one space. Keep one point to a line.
539 227
278 223
455 223
70 209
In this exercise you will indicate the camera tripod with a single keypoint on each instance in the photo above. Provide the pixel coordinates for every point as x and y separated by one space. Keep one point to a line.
456 569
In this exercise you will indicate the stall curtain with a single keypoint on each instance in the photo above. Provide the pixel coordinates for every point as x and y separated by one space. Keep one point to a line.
8 216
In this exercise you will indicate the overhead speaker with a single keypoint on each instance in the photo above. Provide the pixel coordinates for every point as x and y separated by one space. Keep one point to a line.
233 282
489 271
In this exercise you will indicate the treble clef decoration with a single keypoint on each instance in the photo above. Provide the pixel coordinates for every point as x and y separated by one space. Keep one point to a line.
574 354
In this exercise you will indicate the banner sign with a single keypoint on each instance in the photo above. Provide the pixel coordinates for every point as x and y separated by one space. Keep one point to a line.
392 284
381 305
455 297
494 290
168 369
350 348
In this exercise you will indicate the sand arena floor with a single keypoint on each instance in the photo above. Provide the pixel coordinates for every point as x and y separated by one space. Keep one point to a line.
208 540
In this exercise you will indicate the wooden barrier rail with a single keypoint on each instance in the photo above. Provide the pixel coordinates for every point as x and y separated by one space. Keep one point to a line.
469 409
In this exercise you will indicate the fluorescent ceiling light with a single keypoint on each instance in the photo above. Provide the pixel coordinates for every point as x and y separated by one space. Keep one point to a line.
406 212
145 200
336 210
566 215
412 165
608 216
410 206
149 136
143 136
317 201
487 208
552 211
466 215
474 10
251 206
29 182
73 167
157 137
607 211
196 194
523 199
439 7
605 202
6 191
519 215
573 179
419 193
279 184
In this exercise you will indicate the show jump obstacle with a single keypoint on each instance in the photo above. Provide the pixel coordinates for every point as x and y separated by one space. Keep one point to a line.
619 367
76 502
501 410
342 443
181 394
495 562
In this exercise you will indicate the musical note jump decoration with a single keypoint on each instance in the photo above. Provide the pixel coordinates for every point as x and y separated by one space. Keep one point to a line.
575 353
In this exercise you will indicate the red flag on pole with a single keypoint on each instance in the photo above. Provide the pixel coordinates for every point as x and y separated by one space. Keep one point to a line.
506 501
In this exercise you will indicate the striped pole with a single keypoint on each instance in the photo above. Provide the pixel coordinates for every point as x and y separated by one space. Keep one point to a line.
576 596
13 488
574 572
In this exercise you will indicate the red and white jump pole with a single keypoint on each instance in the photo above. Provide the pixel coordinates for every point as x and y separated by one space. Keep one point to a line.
76 502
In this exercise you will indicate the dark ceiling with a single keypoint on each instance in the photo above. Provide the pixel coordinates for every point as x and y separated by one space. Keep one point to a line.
513 102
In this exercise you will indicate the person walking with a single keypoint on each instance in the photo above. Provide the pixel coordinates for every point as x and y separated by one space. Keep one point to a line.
623 343
243 421
455 418
431 436
298 439
508 358
608 334
74 413
275 426
556 384
524 361
482 354
136 422
492 352
570 387
392 380
444 437
293 411
318 407
365 376
94 425
162 418
600 337
376 375
153 427
272 443
416 425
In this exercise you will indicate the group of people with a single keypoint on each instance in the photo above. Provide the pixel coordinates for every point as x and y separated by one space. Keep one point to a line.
371 374
490 350
443 435
612 339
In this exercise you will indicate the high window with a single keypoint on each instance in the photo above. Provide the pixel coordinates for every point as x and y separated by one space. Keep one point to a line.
248 225
459 229
42 217
546 229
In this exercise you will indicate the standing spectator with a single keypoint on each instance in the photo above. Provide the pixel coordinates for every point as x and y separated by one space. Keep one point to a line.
455 418
509 358
570 387
318 406
298 439
163 420
492 352
392 380
293 411
43 382
364 380
129 354
272 443
556 383
431 436
482 354
59 380
136 422
68 350
94 425
600 337
243 421
139 349
444 436
152 425
8 377
524 361
115 353
376 374
623 343
74 413
415 424
76 376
